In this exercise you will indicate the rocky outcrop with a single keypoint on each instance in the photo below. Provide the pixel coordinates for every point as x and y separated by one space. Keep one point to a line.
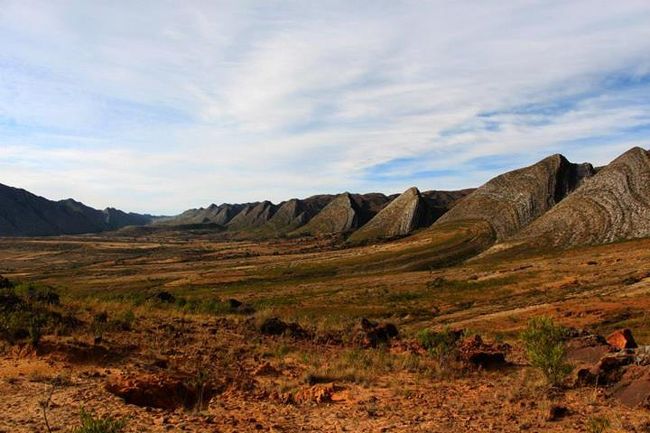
613 205
212 214
295 213
344 214
406 213
339 216
25 214
513 200
253 216
439 202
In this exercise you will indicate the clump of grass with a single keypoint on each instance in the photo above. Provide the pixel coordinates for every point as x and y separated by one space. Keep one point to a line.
598 424
94 424
545 347
361 366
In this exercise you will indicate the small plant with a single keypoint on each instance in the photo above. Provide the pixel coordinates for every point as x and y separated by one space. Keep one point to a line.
92 424
598 424
544 344
441 345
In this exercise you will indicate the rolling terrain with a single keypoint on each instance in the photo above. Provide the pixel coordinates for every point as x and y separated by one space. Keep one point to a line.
353 312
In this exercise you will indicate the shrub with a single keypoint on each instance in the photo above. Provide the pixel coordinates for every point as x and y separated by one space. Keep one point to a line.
27 311
544 344
92 424
441 345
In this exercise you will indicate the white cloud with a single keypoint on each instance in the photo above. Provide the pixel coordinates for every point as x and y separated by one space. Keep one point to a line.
160 106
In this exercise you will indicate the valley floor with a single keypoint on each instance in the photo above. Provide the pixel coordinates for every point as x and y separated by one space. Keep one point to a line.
323 381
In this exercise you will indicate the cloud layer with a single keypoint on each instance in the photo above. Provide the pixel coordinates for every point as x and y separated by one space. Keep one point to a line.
160 106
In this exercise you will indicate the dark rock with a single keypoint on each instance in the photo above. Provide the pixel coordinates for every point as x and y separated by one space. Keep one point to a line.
475 352
165 297
275 326
557 412
234 304
373 334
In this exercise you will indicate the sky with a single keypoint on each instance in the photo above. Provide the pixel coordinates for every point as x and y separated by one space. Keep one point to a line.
160 106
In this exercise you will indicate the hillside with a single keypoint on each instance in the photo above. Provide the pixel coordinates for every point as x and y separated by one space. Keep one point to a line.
345 213
25 214
611 206
512 200
410 211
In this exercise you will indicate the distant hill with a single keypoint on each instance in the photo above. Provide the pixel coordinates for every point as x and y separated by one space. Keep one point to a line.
552 203
613 205
25 214
410 211
514 199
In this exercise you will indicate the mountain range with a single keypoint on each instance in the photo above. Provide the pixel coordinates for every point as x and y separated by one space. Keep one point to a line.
553 202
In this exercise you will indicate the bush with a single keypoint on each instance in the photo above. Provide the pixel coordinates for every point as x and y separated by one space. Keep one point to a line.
92 424
441 345
544 344
27 311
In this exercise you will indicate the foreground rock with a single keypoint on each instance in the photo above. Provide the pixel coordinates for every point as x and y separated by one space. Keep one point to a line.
622 368
160 391
373 334
476 353
276 327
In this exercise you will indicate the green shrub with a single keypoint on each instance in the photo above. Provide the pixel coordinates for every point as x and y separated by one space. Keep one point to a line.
27 311
441 345
92 424
545 347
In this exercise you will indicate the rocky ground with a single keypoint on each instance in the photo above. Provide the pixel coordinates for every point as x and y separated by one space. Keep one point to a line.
186 340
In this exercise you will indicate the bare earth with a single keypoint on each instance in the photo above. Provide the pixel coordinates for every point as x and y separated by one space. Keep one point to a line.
323 381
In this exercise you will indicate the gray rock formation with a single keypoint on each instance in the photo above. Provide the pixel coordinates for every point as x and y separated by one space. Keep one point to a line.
613 205
513 200
252 216
400 217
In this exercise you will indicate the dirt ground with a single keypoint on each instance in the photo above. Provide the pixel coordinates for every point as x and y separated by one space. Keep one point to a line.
323 381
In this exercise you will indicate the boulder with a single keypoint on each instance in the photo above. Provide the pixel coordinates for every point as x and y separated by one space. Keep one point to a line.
275 326
372 334
159 391
622 339
475 352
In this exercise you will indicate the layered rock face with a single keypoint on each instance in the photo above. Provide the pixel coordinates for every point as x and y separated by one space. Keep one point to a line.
25 214
252 216
513 200
295 213
439 202
406 213
612 205
213 214
340 216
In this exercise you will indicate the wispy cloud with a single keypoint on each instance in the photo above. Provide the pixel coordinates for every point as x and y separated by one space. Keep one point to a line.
159 106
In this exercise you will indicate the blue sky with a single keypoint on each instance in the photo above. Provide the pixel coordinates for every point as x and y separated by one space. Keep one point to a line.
157 106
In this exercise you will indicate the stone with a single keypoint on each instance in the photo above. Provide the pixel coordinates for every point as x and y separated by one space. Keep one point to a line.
622 339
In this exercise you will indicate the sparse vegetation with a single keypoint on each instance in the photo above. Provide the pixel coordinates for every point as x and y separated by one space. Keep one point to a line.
598 424
28 311
545 347
91 423
441 345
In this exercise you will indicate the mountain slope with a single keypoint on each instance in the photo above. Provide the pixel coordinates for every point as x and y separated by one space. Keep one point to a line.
25 214
345 213
613 205
252 216
513 200
400 217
